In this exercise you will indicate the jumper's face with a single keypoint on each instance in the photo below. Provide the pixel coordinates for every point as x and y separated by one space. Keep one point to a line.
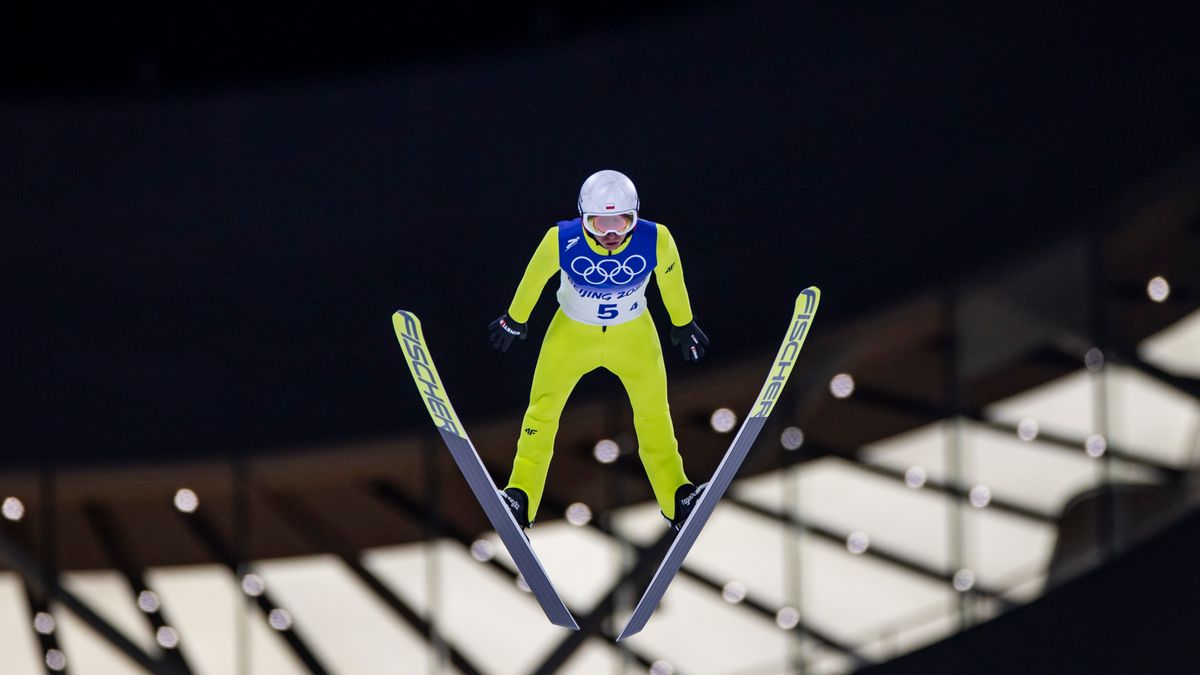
611 231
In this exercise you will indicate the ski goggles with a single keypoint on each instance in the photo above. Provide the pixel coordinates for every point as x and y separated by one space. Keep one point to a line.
628 220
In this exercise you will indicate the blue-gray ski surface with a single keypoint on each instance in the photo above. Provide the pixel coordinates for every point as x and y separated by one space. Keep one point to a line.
805 309
429 383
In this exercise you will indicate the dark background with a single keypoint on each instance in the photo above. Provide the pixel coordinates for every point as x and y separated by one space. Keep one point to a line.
207 222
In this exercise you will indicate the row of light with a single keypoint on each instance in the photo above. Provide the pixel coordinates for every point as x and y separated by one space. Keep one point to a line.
167 637
606 450
577 514
1095 445
857 543
792 438
185 500
45 624
253 585
734 592
841 385
788 618
149 603
916 476
723 420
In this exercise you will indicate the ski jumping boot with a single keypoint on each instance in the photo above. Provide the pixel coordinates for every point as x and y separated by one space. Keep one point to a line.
518 502
686 496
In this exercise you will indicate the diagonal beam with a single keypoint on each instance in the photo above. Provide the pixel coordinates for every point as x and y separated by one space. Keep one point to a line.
998 503
934 413
208 536
50 587
759 608
630 470
874 551
46 641
593 622
410 507
689 572
1181 383
397 499
323 537
1165 472
119 553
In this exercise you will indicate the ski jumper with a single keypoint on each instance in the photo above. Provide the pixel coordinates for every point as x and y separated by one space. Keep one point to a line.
602 322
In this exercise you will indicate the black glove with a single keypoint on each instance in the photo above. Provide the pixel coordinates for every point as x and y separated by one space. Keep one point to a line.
691 340
504 329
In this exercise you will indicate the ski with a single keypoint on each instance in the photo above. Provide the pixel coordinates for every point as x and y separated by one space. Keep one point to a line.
429 383
806 308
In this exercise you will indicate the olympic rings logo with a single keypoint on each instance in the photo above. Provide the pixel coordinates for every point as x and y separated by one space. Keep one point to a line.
609 269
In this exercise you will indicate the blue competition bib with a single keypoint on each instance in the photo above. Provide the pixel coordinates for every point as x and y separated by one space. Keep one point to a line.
601 288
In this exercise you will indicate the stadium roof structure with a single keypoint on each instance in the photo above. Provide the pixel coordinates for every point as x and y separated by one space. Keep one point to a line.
213 461
913 481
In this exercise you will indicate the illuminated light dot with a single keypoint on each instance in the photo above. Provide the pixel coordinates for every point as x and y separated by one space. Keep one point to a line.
980 496
1095 445
56 660
167 637
842 385
858 543
579 514
792 438
186 500
483 550
44 623
147 601
1158 289
915 477
723 420
606 451
522 584
280 619
662 667
964 580
13 509
1093 359
253 585
1027 429
734 592
787 618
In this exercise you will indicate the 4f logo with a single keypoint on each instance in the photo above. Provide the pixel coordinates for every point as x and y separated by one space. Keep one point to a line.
530 432
672 267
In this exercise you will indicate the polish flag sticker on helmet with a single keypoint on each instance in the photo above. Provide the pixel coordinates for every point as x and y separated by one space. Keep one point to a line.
610 206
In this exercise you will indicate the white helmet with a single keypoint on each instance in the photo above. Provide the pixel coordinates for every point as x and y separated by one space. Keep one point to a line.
608 193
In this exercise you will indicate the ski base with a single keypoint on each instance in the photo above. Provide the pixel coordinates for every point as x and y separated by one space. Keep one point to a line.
805 309
420 363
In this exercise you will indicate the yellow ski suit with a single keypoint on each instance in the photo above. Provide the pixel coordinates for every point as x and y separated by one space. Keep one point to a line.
630 350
